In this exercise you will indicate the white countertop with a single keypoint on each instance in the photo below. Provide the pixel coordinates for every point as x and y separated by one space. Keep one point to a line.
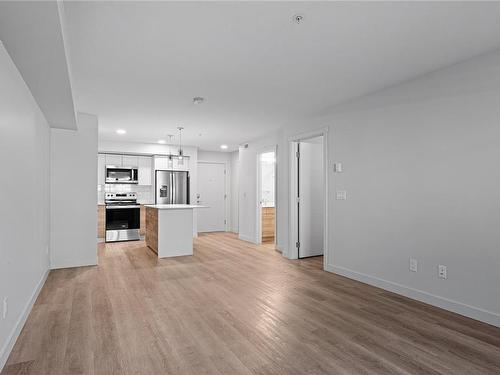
174 206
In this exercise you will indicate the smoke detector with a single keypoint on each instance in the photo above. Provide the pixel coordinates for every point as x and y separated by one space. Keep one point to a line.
198 100
298 18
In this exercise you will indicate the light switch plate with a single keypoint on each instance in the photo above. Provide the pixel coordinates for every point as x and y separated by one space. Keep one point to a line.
413 265
442 273
4 308
341 195
337 167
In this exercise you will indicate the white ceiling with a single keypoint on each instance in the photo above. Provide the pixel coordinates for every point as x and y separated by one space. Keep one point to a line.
137 65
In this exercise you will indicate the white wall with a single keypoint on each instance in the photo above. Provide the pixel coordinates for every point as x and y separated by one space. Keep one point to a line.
214 156
234 191
73 179
421 174
144 148
24 198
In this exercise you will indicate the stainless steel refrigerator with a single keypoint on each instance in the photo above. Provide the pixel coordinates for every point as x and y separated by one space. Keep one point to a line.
172 187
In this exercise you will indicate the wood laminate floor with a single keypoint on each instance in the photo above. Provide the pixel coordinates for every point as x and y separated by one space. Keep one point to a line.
236 308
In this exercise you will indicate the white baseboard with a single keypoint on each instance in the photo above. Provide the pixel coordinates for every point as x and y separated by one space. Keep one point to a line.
419 295
246 238
7 348
73 264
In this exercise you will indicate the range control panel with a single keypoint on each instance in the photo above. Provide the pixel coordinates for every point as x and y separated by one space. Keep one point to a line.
121 196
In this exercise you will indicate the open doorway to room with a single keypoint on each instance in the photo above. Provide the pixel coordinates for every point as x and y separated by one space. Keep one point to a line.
266 215
308 196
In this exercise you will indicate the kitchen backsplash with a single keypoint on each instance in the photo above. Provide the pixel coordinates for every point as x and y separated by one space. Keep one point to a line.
144 193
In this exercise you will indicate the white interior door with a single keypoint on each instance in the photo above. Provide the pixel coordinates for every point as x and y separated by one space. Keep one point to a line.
311 202
211 193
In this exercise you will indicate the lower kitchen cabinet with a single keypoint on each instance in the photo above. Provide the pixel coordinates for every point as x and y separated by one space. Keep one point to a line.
142 231
101 221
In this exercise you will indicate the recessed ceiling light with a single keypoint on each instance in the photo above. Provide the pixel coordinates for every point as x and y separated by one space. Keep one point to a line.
121 131
198 100
224 147
162 141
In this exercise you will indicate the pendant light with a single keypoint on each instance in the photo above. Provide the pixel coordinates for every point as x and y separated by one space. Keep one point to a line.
181 152
170 161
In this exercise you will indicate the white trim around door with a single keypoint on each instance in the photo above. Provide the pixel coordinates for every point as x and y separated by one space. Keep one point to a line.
292 251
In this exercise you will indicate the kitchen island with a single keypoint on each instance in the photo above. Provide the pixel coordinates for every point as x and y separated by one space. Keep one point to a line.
169 229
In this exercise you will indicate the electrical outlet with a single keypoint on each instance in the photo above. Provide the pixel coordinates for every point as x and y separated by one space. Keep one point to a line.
341 195
442 271
413 265
4 310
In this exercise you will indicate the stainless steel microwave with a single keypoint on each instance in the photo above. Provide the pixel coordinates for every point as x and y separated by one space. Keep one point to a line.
121 175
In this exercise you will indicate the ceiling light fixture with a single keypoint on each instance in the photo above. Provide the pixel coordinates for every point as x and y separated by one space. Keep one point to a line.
161 141
170 162
224 147
181 152
298 18
121 131
198 100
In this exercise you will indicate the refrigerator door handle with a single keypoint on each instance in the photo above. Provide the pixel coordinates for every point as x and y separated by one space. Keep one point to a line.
172 188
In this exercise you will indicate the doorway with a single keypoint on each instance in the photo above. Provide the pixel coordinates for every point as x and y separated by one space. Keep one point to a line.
266 213
309 200
211 193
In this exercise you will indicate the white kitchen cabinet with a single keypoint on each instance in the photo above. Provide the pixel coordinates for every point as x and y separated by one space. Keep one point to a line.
130 161
160 162
145 170
112 159
101 169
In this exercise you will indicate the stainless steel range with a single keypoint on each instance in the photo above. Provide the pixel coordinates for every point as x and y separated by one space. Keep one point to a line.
123 217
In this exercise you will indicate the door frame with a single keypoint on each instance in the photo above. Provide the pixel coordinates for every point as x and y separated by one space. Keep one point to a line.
258 211
227 179
293 187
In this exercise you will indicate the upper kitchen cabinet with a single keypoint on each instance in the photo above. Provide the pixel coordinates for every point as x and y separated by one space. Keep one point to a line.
130 161
162 163
145 170
112 159
101 169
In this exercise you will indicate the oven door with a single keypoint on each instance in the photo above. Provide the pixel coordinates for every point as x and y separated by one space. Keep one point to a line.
117 175
123 223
